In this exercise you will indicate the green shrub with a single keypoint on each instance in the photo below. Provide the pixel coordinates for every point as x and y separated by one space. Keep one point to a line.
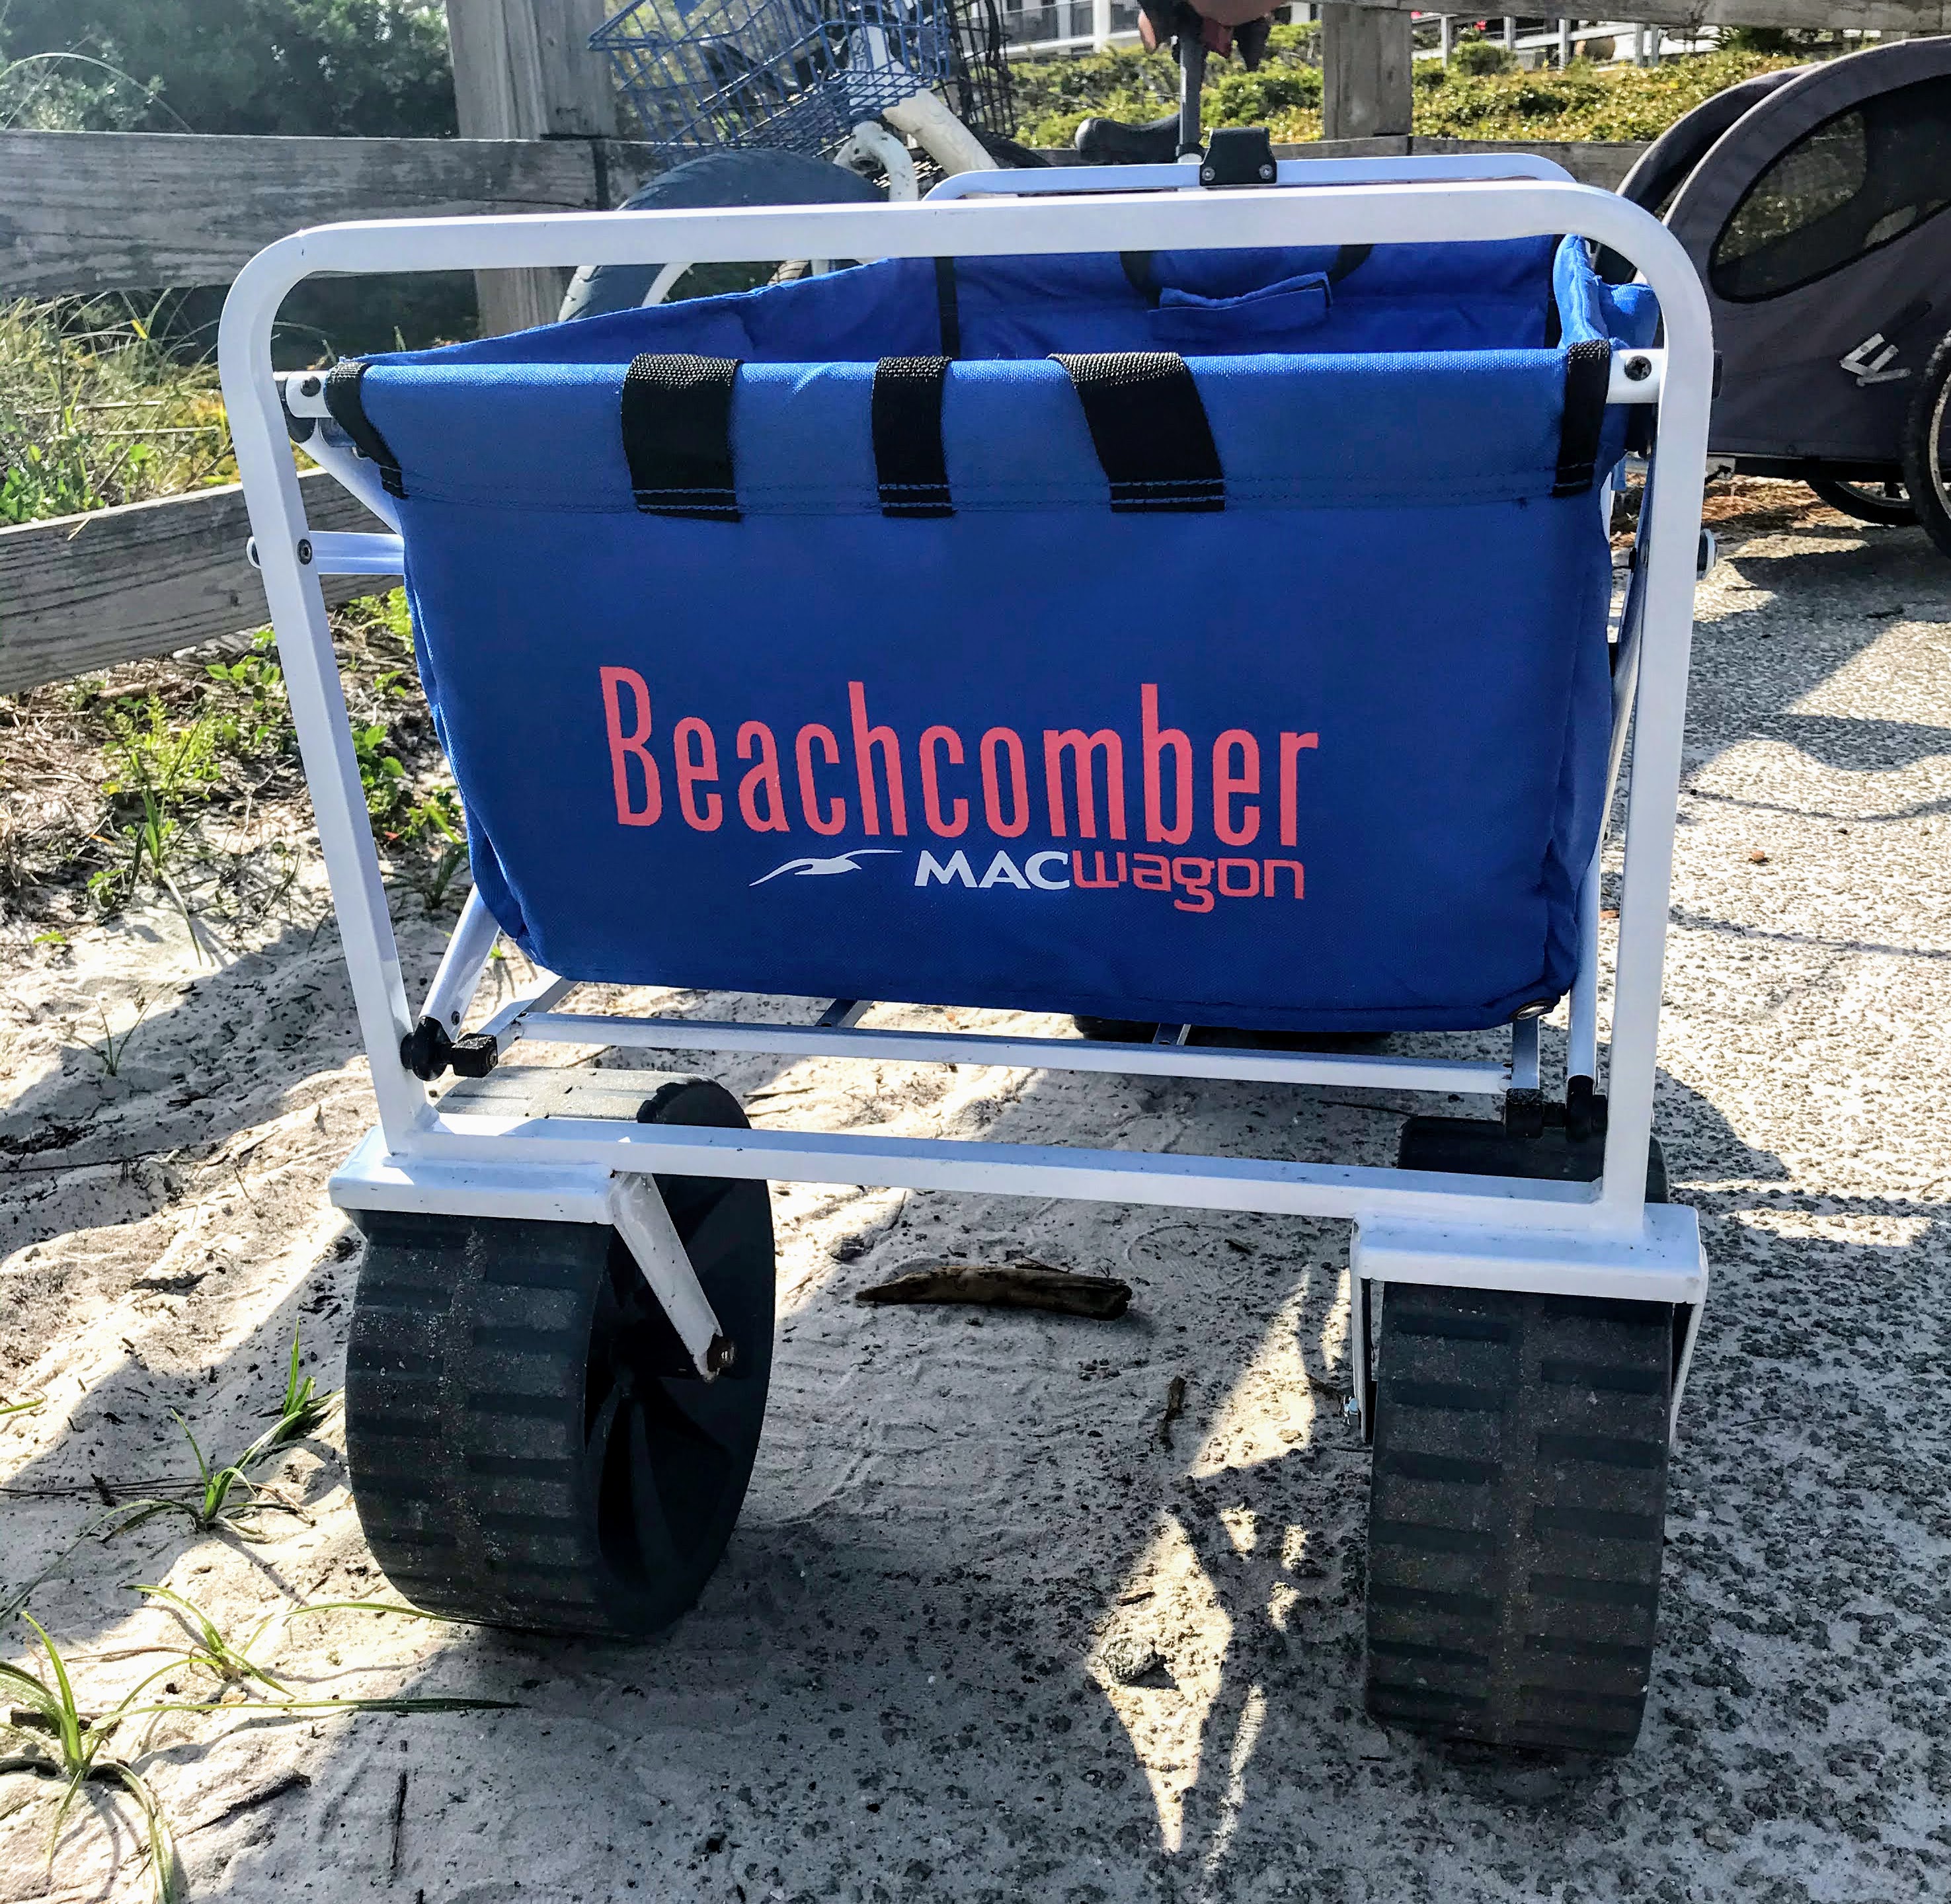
1476 57
1585 102
335 68
1056 94
94 411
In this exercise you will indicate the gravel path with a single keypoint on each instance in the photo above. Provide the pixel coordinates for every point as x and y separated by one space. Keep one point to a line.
983 1634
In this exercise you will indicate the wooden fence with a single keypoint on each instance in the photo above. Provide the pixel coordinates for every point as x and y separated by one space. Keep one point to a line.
84 213
93 212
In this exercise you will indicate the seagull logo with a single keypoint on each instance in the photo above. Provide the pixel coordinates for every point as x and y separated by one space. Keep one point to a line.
819 869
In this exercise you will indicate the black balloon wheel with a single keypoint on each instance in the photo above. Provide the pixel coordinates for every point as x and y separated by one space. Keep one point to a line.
667 1455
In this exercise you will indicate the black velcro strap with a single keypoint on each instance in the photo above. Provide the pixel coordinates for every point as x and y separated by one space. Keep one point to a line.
1150 430
1348 260
677 436
949 306
349 412
1588 374
909 462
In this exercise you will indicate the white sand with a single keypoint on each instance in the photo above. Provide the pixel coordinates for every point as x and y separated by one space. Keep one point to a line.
891 1688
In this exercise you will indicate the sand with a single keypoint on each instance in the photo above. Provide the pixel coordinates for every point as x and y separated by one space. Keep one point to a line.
981 1634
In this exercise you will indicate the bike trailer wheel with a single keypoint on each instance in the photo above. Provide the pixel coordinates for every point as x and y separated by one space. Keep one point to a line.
1865 499
529 1446
1927 448
757 176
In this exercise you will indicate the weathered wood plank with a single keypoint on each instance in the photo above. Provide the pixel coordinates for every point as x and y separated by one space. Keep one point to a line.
1918 16
1366 53
1597 162
86 212
86 592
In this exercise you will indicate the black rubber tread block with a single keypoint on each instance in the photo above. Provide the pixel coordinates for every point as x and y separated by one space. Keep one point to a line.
421 1503
1480 1146
1517 1513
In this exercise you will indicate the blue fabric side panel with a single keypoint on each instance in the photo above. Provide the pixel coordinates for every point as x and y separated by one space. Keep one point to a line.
1590 308
1400 297
1345 429
484 865
1431 652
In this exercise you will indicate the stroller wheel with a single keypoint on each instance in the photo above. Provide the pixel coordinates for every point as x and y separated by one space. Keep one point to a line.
1927 448
1866 500
528 1445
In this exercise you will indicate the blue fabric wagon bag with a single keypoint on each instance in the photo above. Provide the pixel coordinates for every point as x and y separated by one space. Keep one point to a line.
1216 637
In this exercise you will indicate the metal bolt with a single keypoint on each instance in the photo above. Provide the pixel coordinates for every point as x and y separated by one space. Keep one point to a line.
1267 174
304 552
310 388
720 1354
1638 369
1207 175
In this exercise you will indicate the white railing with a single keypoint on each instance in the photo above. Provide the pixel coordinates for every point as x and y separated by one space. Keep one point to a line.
1081 26
1070 26
1639 45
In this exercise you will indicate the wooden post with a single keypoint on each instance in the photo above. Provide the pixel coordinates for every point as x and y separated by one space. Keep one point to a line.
1365 56
578 99
522 69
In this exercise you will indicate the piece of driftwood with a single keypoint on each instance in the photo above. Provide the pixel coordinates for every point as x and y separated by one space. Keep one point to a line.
1174 1407
1022 1285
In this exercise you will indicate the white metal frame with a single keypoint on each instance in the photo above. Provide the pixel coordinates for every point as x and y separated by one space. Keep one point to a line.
1601 1238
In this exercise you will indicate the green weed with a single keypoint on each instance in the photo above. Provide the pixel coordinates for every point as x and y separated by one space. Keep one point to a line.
64 1743
230 1665
109 1054
94 411
157 765
60 1742
253 721
224 1495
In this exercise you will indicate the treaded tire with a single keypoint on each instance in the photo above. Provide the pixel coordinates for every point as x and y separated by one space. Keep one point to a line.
527 1448
1114 1030
1516 1515
1857 499
1927 448
754 176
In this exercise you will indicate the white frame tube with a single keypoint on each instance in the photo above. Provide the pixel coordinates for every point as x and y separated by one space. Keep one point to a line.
1395 211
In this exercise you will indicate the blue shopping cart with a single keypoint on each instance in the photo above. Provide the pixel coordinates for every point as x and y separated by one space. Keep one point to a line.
1183 606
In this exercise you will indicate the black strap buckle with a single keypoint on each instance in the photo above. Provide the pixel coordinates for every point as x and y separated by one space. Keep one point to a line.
1238 155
